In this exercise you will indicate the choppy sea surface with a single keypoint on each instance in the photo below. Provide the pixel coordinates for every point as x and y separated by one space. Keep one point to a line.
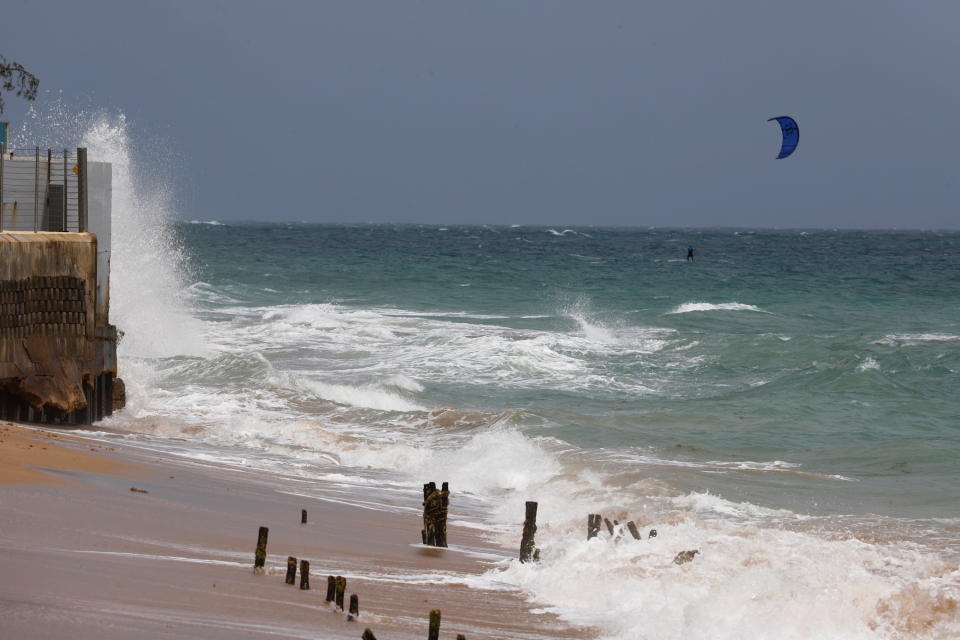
786 403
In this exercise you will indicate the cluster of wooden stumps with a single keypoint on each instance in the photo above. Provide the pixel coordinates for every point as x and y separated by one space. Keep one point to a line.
434 533
336 585
594 521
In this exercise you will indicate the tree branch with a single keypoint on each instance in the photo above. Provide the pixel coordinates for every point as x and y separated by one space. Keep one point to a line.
13 77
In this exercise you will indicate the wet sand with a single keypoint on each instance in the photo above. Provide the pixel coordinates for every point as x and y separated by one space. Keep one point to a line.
86 557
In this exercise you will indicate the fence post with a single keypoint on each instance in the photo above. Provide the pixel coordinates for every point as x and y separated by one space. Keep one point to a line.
3 152
82 189
36 186
66 198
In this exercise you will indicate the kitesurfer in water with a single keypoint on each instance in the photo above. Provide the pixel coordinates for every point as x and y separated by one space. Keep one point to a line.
689 254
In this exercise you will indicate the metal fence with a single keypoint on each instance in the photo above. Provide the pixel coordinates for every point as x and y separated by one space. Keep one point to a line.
43 189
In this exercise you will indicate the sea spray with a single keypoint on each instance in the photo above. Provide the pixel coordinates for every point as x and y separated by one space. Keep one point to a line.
148 263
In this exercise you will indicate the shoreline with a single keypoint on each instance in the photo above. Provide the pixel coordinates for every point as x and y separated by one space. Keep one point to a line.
83 553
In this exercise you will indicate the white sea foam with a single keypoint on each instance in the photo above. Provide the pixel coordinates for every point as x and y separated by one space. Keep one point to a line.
745 583
909 339
690 307
868 364
440 347
567 232
368 396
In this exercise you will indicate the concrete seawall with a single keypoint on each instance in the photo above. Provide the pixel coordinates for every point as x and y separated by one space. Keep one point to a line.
58 359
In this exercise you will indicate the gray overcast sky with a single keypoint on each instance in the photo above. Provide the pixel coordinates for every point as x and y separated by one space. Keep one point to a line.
539 112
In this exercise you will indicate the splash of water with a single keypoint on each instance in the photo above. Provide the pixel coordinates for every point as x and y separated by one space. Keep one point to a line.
148 263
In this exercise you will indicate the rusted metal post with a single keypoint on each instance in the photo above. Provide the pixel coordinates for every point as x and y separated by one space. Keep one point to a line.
354 607
291 570
82 189
304 575
260 557
529 530
434 633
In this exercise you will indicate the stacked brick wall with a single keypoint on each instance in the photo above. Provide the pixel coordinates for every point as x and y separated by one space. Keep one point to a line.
43 305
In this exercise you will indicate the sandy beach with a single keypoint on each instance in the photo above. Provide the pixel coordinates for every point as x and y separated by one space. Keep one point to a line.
86 556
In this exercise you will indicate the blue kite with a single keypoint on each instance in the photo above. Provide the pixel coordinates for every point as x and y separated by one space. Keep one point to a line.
791 135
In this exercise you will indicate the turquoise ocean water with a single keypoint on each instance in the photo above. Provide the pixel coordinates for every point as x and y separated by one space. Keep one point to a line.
786 404
833 352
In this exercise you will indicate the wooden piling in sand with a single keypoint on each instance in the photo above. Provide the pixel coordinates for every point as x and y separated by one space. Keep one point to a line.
435 505
593 525
303 516
609 525
341 587
331 589
434 633
368 635
291 570
354 607
653 533
633 530
460 636
304 575
529 530
260 556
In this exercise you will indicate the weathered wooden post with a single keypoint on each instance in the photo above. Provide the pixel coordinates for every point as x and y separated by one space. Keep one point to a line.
304 575
331 589
434 633
426 534
260 556
460 636
368 635
529 530
303 516
354 607
633 530
291 570
593 525
609 525
653 533
341 587
435 504
685 556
